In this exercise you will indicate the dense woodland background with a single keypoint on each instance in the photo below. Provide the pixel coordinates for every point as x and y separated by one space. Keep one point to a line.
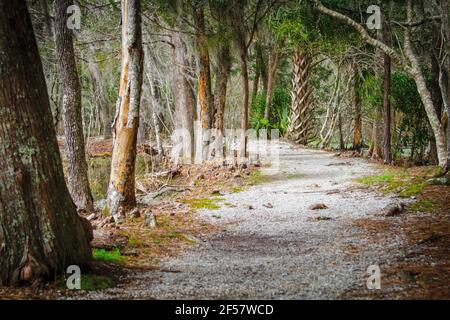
135 71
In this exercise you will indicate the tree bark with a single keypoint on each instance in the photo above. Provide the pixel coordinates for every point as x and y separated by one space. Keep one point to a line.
387 153
77 169
121 191
245 98
184 108
220 91
274 61
356 106
204 95
237 18
299 125
40 230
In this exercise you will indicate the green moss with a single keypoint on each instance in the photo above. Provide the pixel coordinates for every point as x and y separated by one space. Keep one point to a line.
400 181
412 190
107 255
95 282
204 203
237 189
373 180
424 206
89 282
256 177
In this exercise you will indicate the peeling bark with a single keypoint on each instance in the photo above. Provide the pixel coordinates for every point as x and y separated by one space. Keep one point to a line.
204 96
121 191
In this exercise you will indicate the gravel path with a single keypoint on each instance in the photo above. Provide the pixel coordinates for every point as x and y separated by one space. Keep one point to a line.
283 250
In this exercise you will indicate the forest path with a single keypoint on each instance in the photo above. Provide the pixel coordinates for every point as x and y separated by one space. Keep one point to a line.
281 250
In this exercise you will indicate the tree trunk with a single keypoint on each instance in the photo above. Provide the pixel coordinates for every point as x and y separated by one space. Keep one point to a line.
341 134
356 106
204 97
184 109
237 17
220 91
298 130
274 61
121 191
77 169
244 111
99 92
40 230
387 153
375 147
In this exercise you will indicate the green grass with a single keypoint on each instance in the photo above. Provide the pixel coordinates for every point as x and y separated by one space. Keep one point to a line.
107 255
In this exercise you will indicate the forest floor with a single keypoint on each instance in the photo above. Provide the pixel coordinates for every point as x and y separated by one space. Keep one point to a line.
308 229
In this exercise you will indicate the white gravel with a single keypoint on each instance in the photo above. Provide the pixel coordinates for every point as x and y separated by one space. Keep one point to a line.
282 252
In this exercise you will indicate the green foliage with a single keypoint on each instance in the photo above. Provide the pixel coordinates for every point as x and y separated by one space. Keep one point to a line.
279 111
406 99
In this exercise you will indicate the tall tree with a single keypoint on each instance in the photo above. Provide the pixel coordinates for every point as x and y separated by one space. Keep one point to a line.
272 72
356 106
184 108
77 168
40 230
237 21
121 191
299 122
387 154
204 94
